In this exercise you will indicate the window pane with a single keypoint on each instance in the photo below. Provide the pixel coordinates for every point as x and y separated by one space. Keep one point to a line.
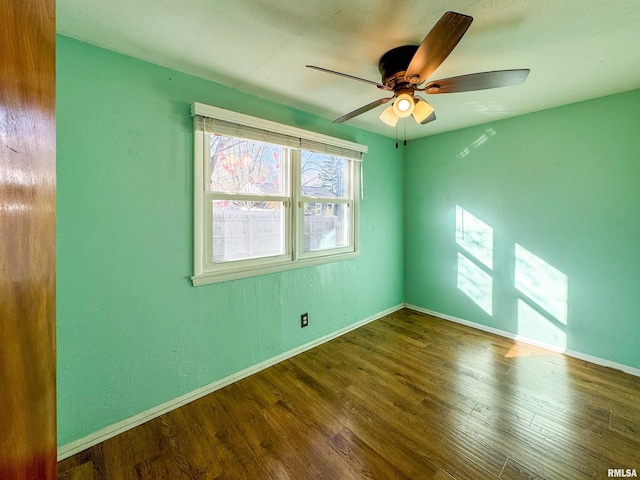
326 225
323 176
245 166
243 230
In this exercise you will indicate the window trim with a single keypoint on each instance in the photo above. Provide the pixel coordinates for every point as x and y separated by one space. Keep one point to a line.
294 257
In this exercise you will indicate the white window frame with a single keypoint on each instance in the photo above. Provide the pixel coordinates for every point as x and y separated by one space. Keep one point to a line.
350 200
205 270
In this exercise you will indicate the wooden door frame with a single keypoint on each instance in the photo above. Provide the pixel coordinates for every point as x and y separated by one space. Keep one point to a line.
27 240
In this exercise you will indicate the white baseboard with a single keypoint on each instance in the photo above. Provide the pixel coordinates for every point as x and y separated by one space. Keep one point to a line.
571 353
92 439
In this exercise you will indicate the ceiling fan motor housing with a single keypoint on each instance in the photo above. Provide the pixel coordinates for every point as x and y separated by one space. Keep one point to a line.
394 62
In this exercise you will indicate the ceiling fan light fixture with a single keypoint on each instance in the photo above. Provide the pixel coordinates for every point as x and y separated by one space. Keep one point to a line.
421 110
389 117
404 105
406 67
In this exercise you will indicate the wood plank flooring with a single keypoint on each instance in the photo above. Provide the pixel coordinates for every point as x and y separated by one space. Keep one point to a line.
408 396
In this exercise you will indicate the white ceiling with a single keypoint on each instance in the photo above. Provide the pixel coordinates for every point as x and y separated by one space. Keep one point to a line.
576 49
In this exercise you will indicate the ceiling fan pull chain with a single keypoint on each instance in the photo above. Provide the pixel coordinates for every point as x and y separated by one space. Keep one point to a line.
396 136
405 132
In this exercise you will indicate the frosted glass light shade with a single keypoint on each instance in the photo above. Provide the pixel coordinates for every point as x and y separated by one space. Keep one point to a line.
421 111
389 117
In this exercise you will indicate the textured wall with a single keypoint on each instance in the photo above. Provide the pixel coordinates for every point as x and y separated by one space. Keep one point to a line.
553 197
558 192
132 331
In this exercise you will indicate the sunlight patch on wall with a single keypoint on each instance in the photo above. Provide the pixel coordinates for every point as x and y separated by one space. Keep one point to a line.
533 325
475 283
542 309
543 284
475 236
489 132
542 313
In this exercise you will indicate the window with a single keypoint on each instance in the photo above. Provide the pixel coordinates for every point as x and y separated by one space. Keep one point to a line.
270 197
326 202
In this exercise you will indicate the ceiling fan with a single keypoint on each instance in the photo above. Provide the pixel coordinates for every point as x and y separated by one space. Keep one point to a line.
405 68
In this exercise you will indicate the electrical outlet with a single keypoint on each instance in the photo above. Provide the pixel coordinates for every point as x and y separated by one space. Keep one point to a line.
304 320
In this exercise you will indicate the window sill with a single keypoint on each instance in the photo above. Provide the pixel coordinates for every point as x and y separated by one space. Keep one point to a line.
228 275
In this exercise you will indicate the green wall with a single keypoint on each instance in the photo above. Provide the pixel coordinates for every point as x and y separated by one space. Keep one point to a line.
132 331
560 191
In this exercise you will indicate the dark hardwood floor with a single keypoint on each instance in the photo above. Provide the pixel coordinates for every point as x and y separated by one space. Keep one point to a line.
407 396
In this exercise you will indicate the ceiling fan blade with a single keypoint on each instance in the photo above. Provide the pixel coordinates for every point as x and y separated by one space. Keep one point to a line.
379 85
478 81
361 110
437 46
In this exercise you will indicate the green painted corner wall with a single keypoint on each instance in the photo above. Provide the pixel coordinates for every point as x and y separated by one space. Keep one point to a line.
560 185
132 331
560 190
